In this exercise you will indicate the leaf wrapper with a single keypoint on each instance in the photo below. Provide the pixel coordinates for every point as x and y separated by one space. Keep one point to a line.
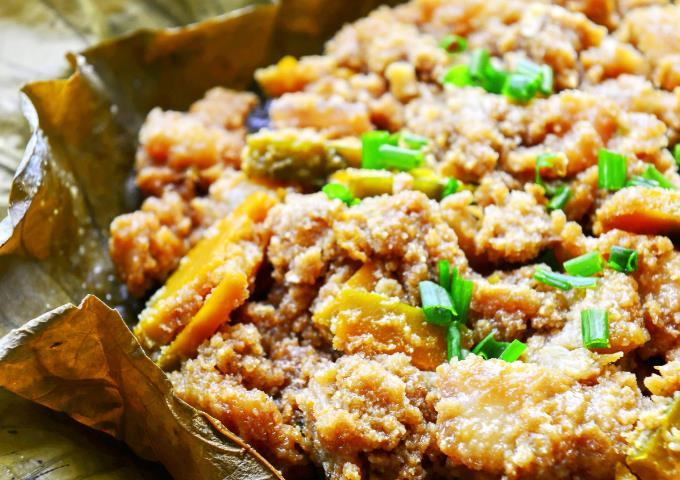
85 360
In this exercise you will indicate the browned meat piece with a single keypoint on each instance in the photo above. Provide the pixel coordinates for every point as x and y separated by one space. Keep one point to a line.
515 231
147 245
224 108
523 420
367 409
334 117
653 31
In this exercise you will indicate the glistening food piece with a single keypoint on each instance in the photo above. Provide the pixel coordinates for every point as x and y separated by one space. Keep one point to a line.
428 260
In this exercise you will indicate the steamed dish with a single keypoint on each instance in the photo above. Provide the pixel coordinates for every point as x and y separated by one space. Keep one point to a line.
442 249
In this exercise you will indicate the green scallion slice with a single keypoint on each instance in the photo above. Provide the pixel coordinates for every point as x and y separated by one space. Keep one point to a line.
513 351
453 44
461 295
595 328
436 303
547 80
623 259
453 345
413 141
560 199
545 160
458 75
399 158
444 274
563 282
585 265
479 62
370 146
640 181
341 192
489 348
611 170
676 154
520 87
450 187
651 173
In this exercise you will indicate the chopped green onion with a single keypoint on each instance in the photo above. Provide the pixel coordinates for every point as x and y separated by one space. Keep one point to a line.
399 158
560 199
651 173
520 87
595 328
436 303
585 265
453 346
341 192
453 44
513 351
370 146
444 274
676 154
545 160
563 282
450 188
623 259
611 169
458 75
494 79
546 86
479 62
490 348
640 181
461 295
412 140
528 68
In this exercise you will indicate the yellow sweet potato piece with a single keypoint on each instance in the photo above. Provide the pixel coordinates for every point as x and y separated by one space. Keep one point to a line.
369 323
232 291
654 454
640 210
203 268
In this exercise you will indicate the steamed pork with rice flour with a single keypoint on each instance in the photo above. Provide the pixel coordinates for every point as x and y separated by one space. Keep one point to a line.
441 249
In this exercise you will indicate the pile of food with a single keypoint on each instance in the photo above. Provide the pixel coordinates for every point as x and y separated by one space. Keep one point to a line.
442 249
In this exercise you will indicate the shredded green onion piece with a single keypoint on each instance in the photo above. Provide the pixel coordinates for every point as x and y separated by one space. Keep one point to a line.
479 62
490 348
520 87
453 346
513 351
563 282
453 44
640 181
461 295
651 173
444 274
676 154
341 192
436 303
413 141
450 188
623 259
458 75
545 160
370 146
547 80
611 170
399 158
561 198
585 265
595 328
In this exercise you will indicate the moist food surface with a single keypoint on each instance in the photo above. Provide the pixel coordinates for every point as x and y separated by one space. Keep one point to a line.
324 361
